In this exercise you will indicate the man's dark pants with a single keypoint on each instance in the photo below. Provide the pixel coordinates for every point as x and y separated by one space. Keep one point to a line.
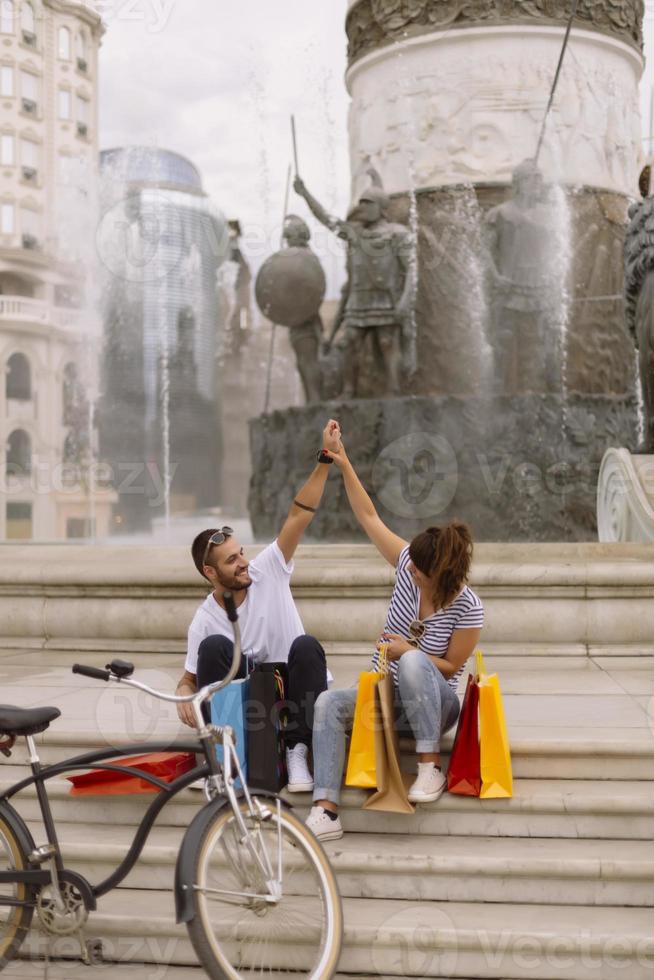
307 678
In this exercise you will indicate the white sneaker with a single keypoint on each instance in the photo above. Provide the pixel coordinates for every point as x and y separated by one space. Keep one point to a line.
322 826
429 785
198 785
300 779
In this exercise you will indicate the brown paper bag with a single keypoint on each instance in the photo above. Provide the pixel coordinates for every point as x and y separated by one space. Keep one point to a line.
392 783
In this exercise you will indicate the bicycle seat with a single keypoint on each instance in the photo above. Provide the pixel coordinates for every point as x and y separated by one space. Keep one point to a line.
25 721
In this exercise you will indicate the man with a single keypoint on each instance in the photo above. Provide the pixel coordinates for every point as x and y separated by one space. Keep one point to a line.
381 287
271 629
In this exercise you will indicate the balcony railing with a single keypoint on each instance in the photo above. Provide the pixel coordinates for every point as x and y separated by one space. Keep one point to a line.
37 311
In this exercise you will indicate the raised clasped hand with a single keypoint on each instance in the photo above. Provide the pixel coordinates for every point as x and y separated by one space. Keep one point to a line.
331 437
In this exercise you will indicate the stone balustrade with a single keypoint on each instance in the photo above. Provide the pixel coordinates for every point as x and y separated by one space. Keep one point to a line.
28 310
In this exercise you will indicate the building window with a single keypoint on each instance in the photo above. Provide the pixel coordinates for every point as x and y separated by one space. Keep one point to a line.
7 219
29 90
28 23
64 43
82 115
72 397
64 104
19 453
29 158
7 155
80 527
19 521
82 51
6 80
30 226
19 378
6 16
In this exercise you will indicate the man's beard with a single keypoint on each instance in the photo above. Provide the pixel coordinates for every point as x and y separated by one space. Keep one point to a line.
234 585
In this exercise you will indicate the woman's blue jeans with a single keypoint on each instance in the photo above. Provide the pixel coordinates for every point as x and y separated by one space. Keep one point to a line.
426 706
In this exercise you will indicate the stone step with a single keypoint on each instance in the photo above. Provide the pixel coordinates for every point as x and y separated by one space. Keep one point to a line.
459 869
65 651
540 808
70 970
600 595
414 938
537 751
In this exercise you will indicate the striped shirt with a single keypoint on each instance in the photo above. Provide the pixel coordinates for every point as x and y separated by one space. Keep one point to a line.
465 612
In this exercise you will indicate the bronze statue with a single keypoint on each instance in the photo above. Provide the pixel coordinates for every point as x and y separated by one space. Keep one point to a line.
525 287
381 287
639 292
290 289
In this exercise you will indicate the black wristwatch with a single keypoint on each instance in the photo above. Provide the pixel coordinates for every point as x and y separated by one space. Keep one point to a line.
322 457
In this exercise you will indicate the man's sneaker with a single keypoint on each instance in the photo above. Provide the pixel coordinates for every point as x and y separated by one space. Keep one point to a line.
322 826
429 785
300 779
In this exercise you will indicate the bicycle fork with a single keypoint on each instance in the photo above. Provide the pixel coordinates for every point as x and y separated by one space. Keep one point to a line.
259 813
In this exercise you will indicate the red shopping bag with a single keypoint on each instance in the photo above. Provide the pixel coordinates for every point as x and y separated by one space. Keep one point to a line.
106 782
464 770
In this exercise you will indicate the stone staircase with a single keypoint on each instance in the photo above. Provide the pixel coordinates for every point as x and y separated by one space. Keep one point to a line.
555 883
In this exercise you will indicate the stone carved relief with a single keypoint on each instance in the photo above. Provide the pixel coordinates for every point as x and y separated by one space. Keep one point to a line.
371 24
464 133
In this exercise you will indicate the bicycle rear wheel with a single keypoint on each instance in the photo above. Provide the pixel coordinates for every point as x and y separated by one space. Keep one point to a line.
15 919
236 932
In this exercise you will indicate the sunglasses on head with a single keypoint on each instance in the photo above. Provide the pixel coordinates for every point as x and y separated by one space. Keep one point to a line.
218 538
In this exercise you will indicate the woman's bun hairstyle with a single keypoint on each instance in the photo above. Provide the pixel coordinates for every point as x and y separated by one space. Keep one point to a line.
445 555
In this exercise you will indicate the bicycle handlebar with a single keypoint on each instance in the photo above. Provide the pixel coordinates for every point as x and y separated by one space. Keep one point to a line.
95 672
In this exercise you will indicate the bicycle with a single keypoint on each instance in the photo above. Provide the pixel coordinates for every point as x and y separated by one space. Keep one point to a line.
252 884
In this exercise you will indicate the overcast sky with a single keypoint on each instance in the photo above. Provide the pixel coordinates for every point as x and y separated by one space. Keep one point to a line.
218 82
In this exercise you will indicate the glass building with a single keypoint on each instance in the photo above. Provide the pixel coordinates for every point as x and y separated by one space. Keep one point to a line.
161 242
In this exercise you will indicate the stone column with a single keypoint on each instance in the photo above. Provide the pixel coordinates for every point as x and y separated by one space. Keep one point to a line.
447 98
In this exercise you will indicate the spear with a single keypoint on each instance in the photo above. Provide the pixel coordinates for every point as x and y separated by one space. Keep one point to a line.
274 326
294 134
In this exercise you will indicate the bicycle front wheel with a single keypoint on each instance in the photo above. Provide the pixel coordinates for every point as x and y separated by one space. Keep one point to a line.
240 930
15 918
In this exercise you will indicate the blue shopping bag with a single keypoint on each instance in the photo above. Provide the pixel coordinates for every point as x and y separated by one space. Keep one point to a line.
228 708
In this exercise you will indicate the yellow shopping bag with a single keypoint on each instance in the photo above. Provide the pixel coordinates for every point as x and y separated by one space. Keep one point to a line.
496 773
361 764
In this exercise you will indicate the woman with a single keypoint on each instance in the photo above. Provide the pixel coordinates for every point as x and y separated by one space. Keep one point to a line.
433 626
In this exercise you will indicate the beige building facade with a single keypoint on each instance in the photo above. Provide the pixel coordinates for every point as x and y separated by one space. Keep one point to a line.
49 332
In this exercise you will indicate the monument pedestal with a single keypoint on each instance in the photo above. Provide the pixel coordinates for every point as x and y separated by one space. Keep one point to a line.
625 498
521 468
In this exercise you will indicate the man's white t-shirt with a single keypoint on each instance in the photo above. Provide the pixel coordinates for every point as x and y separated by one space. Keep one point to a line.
268 617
